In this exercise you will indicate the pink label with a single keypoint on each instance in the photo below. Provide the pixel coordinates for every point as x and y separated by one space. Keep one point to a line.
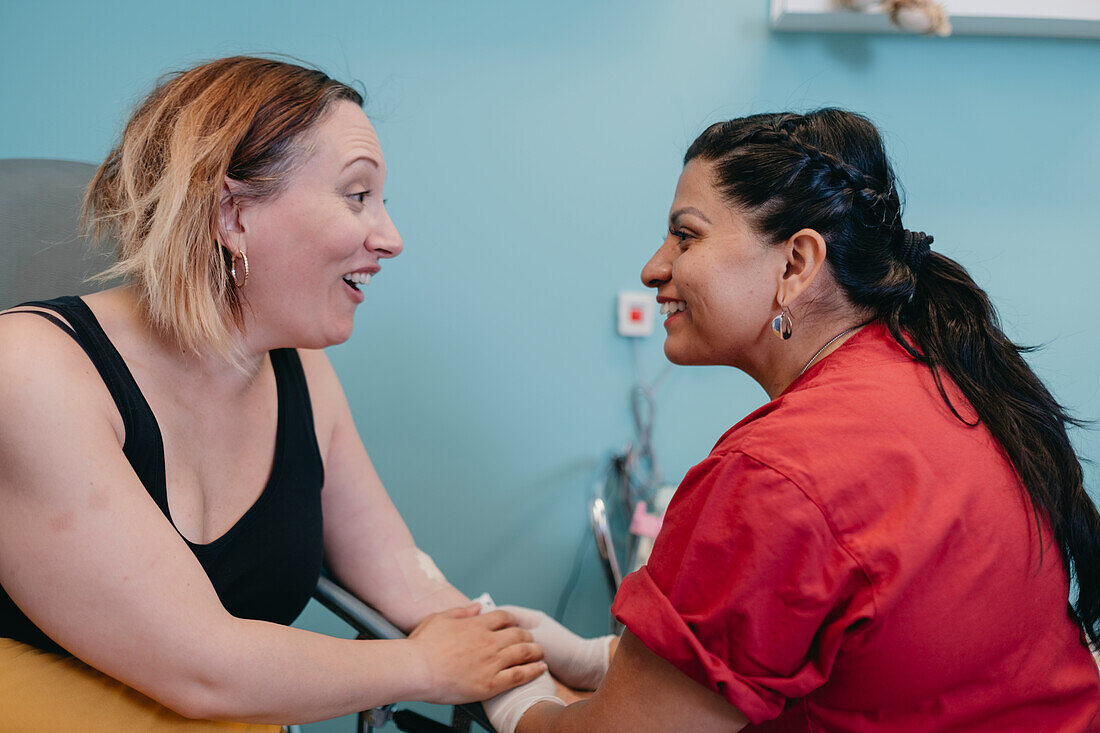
643 523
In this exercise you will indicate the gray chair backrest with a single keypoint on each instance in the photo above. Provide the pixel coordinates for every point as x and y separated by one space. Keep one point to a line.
42 254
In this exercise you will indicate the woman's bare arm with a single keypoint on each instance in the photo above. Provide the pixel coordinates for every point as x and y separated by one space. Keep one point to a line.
641 692
91 560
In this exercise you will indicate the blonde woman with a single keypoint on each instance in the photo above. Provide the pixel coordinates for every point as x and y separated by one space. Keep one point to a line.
177 457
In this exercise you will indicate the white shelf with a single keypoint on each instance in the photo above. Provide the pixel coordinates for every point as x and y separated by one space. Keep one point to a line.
1064 18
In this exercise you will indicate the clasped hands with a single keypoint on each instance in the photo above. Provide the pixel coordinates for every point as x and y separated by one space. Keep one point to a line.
496 655
578 662
471 657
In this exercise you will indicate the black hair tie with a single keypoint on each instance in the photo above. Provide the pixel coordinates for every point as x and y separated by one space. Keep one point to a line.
914 248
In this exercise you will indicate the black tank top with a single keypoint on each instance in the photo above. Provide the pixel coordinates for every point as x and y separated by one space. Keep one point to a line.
266 565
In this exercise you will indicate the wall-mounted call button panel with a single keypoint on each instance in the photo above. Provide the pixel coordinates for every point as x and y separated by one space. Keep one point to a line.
636 313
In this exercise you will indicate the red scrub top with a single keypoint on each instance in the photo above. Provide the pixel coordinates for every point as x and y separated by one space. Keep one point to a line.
852 557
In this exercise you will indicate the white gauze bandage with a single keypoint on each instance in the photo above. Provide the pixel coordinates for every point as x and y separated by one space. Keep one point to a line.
421 575
486 602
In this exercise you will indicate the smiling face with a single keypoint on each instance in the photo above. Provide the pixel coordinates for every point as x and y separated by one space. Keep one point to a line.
716 279
314 246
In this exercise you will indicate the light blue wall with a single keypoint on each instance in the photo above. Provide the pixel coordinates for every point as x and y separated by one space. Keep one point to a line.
533 150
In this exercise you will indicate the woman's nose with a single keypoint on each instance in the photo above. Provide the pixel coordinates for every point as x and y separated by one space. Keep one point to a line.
385 240
659 268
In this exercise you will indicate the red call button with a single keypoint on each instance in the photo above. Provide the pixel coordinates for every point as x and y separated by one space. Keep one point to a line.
636 315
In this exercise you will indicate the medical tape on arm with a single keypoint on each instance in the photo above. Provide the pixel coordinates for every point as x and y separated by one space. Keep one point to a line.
422 577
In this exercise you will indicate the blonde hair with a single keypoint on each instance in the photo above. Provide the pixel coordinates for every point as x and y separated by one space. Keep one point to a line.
159 191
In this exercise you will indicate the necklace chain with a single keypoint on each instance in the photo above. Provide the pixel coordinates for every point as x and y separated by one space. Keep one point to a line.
829 343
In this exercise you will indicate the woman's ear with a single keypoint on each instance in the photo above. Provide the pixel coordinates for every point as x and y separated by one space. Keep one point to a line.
230 226
805 251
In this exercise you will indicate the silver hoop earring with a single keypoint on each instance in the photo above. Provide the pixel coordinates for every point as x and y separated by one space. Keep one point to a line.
782 325
233 269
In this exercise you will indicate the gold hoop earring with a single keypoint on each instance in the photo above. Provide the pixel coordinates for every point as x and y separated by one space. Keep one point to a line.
233 269
782 325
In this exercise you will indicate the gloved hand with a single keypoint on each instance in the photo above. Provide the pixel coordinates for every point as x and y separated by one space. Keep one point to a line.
506 709
578 662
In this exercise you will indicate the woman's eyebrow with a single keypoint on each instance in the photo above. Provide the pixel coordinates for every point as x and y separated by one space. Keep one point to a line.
687 210
358 158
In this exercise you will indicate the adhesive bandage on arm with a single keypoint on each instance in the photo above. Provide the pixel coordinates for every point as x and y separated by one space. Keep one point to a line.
422 577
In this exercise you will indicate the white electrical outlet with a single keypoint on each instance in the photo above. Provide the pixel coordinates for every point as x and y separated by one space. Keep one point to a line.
636 313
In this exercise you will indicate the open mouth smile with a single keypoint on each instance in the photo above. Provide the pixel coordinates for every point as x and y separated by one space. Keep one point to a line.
672 307
355 279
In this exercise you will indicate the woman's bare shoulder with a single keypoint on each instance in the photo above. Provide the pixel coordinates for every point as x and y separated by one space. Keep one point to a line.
45 373
29 340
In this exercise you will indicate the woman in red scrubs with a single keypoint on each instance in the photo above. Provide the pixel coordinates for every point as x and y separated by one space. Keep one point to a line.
887 544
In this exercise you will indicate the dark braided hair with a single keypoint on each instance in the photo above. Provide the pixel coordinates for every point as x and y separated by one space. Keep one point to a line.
827 170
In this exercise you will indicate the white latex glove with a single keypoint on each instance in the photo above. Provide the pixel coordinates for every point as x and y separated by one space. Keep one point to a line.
507 708
578 662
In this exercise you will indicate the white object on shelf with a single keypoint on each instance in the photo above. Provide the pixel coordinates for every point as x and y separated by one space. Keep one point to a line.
1064 18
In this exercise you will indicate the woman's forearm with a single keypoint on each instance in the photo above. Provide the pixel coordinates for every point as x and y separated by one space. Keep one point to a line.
270 674
641 692
415 610
255 671
406 609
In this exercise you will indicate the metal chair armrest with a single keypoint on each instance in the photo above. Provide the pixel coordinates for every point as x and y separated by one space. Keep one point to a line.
367 622
370 624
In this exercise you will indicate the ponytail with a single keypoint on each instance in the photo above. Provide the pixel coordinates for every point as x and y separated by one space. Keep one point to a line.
950 325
